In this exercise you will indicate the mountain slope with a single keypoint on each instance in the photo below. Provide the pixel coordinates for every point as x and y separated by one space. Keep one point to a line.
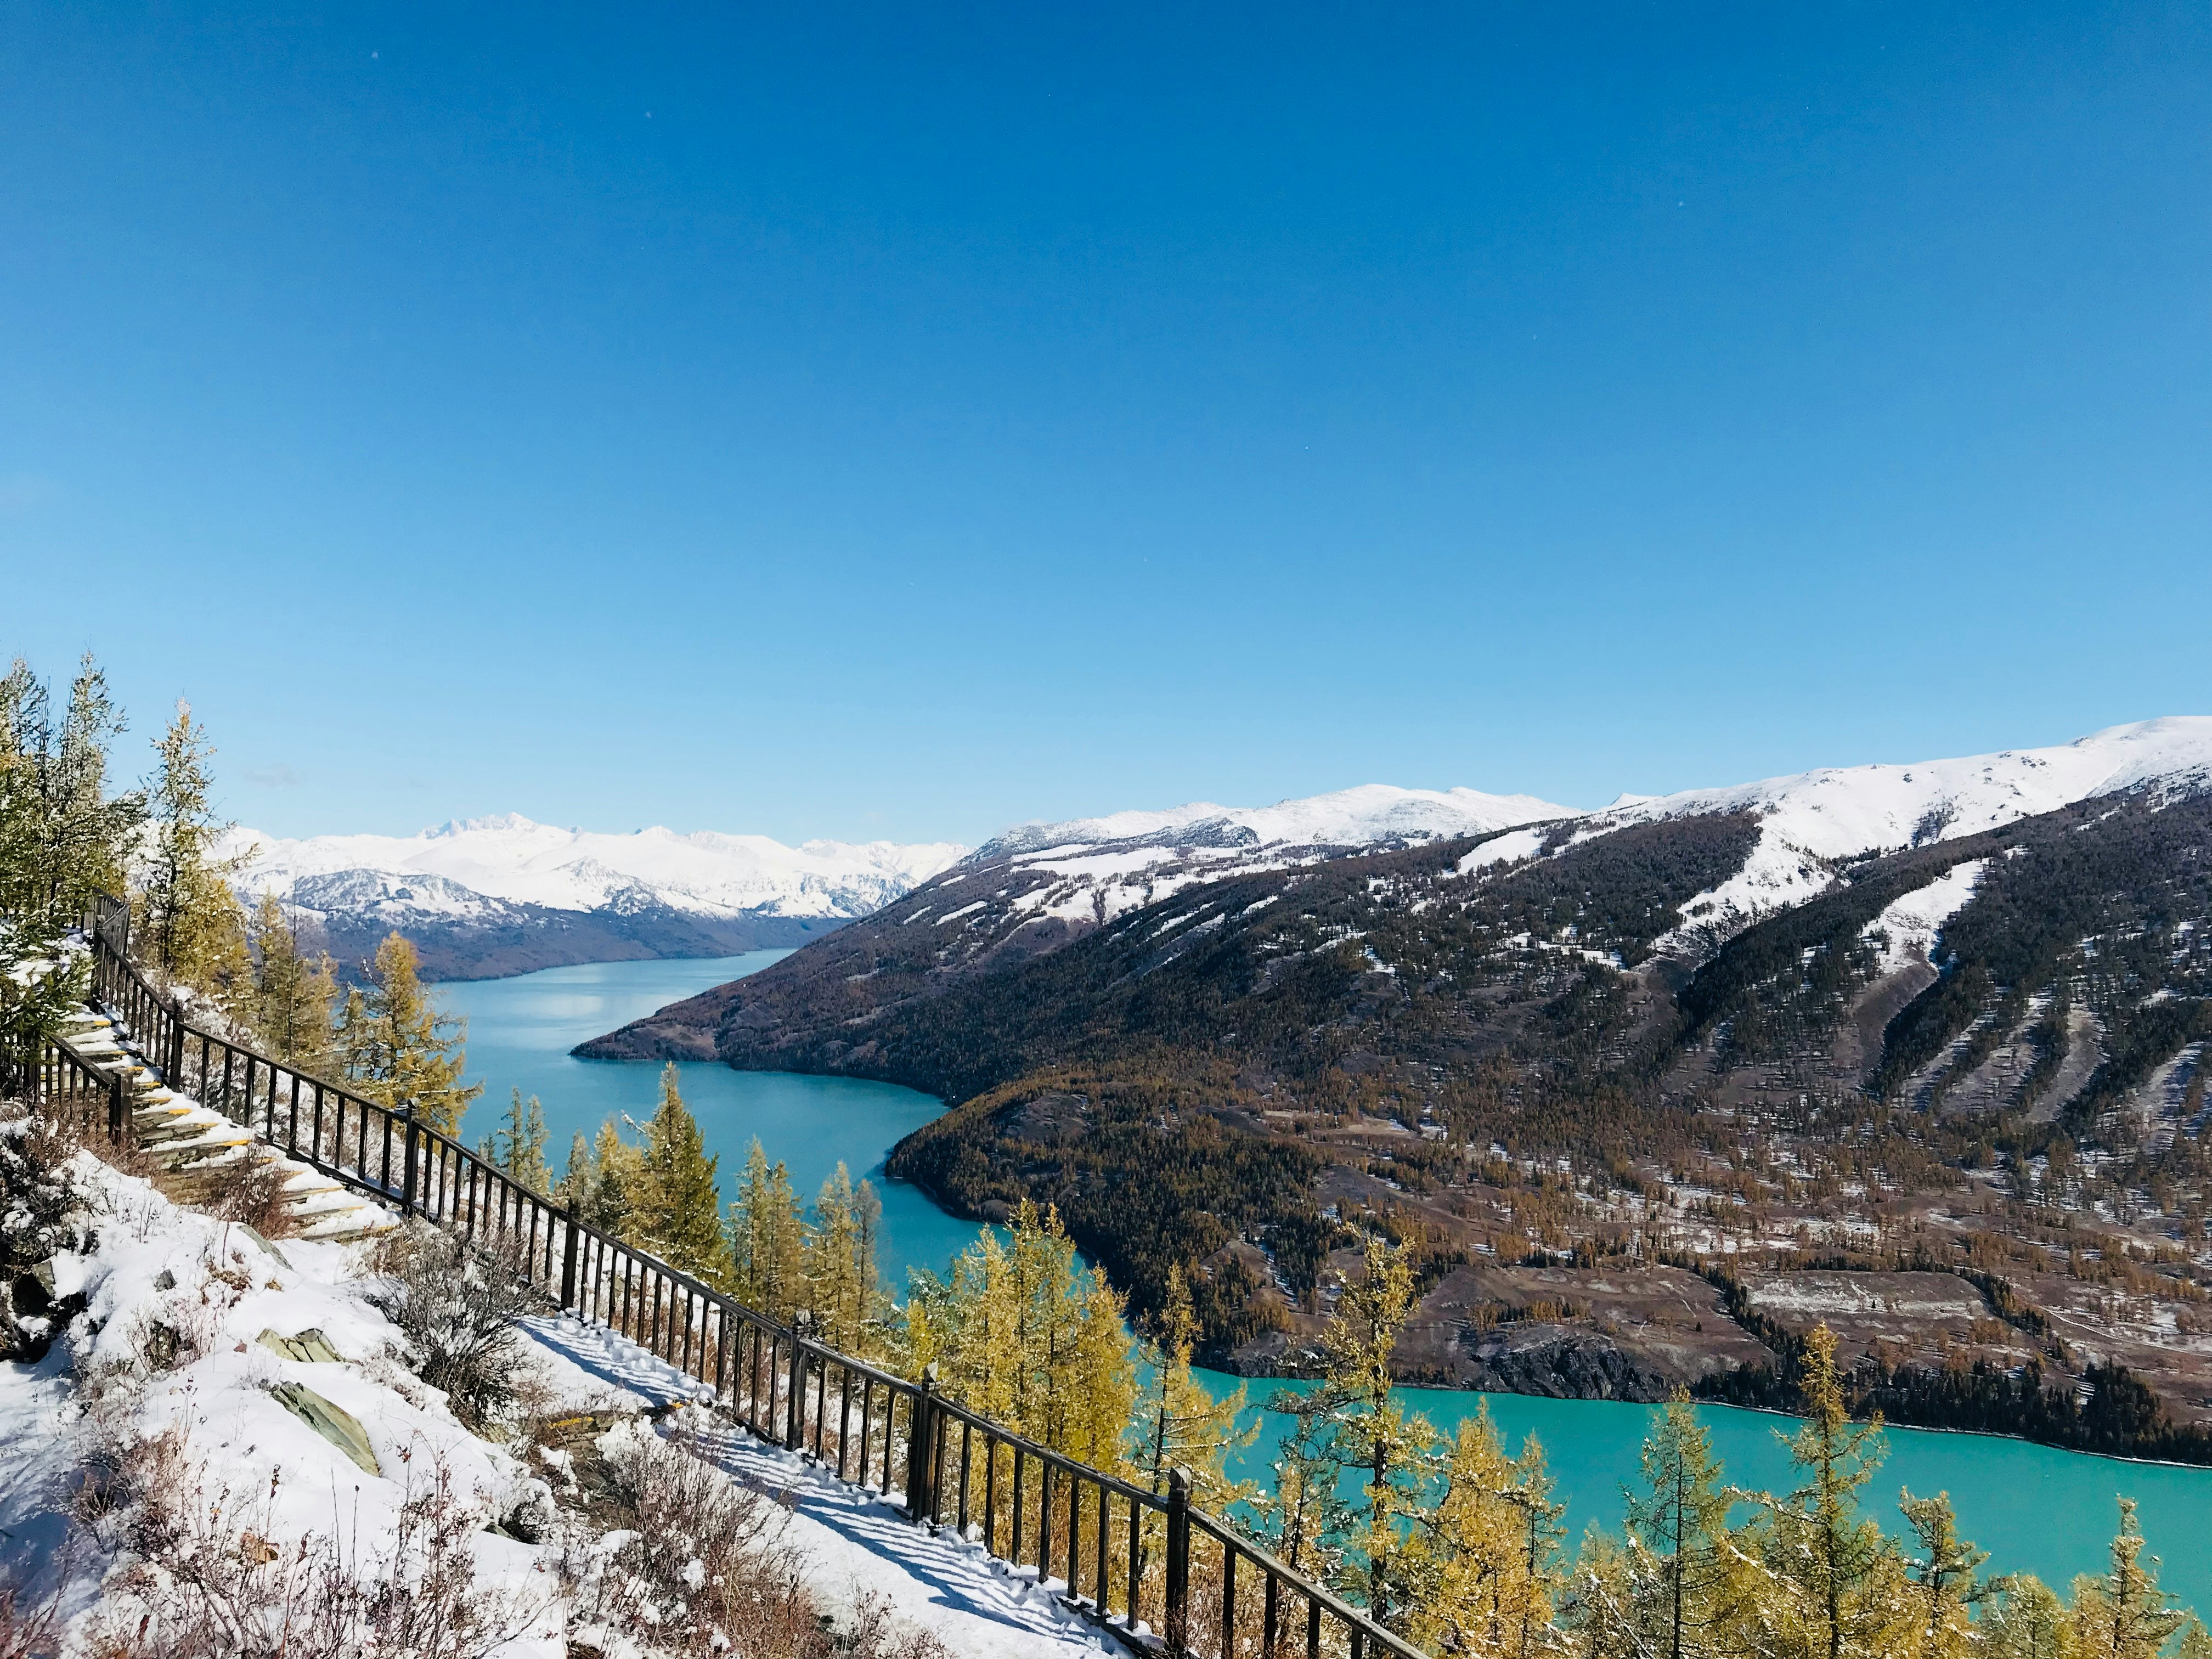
1947 1019
504 894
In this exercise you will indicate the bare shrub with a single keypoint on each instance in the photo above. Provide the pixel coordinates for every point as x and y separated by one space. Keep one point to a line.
27 1631
206 1579
251 1189
456 1308
44 1206
706 1568
874 1631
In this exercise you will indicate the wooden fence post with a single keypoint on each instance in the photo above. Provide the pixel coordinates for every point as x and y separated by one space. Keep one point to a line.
1178 1585
920 1466
116 1115
569 1257
407 1174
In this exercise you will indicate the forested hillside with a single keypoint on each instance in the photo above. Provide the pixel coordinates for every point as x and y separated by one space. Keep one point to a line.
1948 1097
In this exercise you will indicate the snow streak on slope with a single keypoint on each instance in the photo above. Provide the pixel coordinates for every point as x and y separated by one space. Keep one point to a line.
1810 821
1359 817
1909 924
704 874
1101 868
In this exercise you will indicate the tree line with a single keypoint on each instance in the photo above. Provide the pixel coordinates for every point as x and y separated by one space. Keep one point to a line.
69 835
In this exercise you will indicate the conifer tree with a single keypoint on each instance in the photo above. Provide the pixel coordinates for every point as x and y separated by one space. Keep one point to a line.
1836 1569
64 840
397 1049
188 926
842 1286
1099 1375
678 1215
578 1178
1678 1523
767 1239
607 1180
1943 1572
1374 1433
2026 1621
1493 1537
2122 1614
518 1145
1303 1520
1022 1333
1611 1606
1179 1422
292 1001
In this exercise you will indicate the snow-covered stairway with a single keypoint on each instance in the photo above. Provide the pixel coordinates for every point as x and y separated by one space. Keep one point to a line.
196 1151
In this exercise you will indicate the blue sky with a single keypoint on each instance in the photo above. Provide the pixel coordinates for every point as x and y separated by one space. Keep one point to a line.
856 422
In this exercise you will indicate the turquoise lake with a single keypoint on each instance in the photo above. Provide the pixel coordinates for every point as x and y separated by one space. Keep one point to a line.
2033 1509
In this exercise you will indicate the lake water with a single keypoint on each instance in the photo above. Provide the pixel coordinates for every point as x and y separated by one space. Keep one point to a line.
520 1030
2033 1509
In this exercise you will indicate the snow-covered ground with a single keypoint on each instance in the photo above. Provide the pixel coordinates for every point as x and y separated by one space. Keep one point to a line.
176 1370
1909 924
509 857
855 1539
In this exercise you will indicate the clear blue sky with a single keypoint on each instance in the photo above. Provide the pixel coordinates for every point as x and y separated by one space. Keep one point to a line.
829 420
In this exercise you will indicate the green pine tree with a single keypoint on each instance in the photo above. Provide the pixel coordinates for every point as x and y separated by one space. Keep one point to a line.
397 1049
843 1288
767 1239
678 1215
518 1145
186 920
292 999
64 840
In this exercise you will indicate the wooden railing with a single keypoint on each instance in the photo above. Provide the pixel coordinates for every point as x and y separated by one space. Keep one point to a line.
1128 1556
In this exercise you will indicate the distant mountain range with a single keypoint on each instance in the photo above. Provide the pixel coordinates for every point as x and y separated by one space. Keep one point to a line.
493 896
1864 1015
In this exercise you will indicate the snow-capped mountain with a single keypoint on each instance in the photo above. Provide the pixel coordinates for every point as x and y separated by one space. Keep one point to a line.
1086 870
1361 816
1811 821
500 895
1690 870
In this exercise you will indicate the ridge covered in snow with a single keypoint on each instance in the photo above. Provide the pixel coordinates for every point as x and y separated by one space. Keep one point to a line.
705 873
1810 821
1358 817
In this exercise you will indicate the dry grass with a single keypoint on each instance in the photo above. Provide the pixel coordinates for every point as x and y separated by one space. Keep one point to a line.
703 1566
249 1189
204 1579
27 1631
457 1309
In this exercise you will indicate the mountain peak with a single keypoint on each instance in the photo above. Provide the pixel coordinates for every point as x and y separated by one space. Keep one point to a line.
496 821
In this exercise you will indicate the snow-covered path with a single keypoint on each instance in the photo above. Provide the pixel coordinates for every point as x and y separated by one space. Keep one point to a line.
980 1607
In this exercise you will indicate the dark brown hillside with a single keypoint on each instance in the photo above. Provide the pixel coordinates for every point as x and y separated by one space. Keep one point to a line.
1531 1074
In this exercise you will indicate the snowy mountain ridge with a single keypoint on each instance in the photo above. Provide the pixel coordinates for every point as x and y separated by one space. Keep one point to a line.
1358 817
704 873
504 894
1810 821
